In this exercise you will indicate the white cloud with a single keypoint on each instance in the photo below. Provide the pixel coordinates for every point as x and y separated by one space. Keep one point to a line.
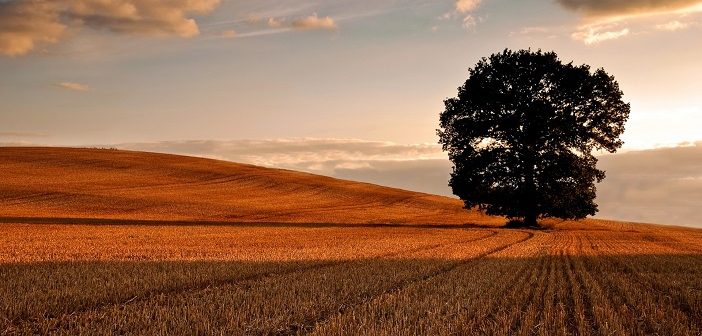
594 35
299 154
469 22
672 26
73 86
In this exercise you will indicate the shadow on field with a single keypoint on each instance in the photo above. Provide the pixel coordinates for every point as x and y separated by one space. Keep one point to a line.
656 293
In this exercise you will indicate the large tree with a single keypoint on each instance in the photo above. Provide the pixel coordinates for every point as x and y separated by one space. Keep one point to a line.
522 131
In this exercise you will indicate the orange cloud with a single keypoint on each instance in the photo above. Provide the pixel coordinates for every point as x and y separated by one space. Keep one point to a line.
466 6
603 18
315 22
629 7
228 34
25 24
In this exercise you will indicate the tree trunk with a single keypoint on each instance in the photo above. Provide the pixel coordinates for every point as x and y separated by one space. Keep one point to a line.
530 198
530 219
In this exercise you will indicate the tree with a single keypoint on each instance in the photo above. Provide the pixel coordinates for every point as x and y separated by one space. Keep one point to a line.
522 131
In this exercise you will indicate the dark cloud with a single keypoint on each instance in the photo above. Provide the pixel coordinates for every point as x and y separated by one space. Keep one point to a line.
622 7
660 186
429 176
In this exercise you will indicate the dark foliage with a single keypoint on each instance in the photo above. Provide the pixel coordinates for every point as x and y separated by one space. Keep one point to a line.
521 133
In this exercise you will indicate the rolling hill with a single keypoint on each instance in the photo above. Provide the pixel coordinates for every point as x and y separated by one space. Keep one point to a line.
83 183
71 263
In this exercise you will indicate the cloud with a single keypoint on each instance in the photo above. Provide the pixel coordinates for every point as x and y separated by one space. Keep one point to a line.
429 176
26 24
630 7
594 35
146 17
420 167
672 26
320 155
274 23
659 186
73 86
315 22
464 9
228 34
469 22
600 15
467 6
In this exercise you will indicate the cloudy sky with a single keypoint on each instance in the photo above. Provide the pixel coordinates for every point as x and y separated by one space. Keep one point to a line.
349 88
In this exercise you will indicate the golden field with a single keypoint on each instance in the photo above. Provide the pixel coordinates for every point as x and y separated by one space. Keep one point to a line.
110 242
111 184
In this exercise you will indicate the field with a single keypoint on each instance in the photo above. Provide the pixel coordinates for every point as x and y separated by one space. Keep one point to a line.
78 255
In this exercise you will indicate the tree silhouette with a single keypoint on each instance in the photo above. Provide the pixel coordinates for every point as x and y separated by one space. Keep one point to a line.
521 134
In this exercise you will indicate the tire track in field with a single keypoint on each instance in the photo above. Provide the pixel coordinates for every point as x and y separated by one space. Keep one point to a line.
509 287
497 289
678 302
618 295
606 319
569 292
253 277
581 303
536 286
311 325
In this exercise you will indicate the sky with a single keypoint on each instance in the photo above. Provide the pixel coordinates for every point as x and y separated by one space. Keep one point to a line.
348 88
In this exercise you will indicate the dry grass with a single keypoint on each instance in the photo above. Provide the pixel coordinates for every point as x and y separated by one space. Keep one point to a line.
75 262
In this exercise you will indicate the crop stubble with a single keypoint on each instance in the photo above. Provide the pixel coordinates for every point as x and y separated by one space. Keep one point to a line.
336 280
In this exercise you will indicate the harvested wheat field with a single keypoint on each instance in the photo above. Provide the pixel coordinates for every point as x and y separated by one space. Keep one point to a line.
108 242
112 184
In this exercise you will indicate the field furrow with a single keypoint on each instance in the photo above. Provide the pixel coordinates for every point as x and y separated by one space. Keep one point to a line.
349 288
388 312
649 306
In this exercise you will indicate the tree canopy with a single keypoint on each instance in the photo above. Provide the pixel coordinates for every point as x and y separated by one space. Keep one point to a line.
522 131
